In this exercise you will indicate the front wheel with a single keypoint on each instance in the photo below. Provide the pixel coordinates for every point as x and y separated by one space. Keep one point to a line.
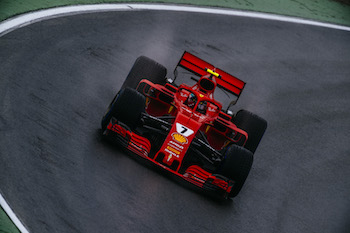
145 68
126 107
236 166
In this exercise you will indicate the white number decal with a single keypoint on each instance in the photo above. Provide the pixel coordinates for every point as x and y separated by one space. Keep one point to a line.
181 129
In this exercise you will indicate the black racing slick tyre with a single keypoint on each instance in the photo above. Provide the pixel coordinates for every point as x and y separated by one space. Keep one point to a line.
254 125
145 68
126 107
236 166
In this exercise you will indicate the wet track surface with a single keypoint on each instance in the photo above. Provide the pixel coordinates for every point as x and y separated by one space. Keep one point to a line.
58 76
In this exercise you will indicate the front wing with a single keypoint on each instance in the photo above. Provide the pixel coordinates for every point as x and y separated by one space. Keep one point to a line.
141 146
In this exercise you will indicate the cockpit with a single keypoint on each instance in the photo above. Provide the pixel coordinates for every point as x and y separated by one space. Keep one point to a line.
198 103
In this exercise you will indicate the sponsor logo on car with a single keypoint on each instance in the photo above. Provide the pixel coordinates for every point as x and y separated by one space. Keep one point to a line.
182 133
176 145
173 150
210 109
179 138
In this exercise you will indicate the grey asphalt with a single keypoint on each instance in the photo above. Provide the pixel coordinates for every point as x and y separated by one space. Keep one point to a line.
58 76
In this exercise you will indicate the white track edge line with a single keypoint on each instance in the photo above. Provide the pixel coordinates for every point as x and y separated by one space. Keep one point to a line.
12 215
28 18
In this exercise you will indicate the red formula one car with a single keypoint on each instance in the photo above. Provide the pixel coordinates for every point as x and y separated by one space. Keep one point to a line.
183 129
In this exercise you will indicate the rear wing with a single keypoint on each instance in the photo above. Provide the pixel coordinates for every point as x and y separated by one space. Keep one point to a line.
199 67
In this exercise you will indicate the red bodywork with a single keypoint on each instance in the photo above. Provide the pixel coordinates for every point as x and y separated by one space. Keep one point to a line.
198 66
187 122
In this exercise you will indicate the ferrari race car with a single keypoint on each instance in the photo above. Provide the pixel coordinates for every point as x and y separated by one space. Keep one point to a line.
182 128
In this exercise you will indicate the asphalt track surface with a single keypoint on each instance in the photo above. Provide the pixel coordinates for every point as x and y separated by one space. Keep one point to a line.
59 75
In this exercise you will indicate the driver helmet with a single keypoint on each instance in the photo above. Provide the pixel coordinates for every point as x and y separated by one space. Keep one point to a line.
191 101
202 107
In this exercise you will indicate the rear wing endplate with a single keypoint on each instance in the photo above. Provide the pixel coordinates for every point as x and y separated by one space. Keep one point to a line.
199 67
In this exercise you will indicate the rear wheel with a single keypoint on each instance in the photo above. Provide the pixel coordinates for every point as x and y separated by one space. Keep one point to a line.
254 125
126 107
145 68
236 166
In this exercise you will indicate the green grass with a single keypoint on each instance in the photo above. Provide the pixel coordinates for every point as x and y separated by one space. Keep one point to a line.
6 224
321 10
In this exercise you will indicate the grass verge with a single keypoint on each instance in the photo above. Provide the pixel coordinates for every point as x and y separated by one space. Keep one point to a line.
331 11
